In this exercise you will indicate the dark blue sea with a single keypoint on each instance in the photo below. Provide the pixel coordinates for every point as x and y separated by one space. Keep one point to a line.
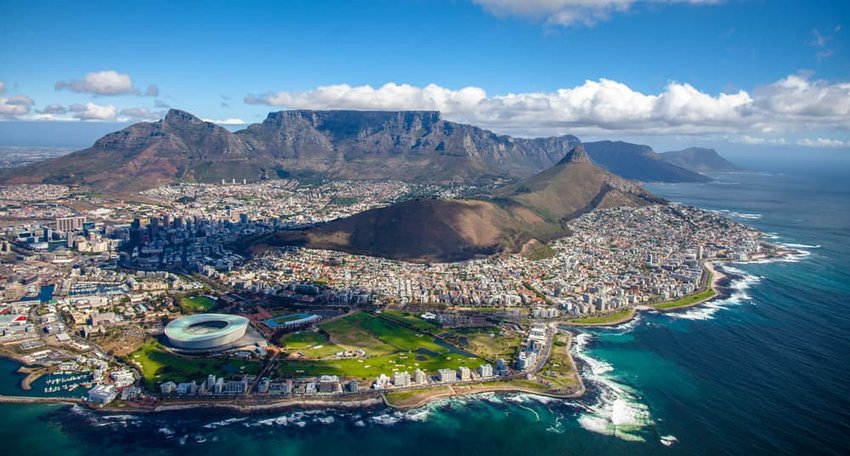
764 370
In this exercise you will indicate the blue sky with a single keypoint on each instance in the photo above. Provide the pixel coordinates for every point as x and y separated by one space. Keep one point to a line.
658 69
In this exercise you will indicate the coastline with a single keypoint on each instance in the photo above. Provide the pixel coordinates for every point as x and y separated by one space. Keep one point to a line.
712 285
715 285
363 401
497 388
274 405
510 386
625 319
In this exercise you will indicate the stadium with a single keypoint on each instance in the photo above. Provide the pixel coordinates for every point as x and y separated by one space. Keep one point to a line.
207 332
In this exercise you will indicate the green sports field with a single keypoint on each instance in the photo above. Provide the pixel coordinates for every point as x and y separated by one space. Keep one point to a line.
411 320
191 304
311 344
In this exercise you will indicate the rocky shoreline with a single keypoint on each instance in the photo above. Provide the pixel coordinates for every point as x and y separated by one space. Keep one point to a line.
718 284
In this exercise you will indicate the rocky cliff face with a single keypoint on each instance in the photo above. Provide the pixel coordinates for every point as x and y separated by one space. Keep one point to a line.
416 145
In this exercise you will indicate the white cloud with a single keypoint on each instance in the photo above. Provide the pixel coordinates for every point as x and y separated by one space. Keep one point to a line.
232 121
91 111
389 96
601 107
140 114
47 117
152 91
569 12
100 83
2 88
822 142
15 106
796 95
54 109
759 141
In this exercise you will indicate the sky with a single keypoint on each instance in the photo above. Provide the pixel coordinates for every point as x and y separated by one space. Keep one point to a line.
746 74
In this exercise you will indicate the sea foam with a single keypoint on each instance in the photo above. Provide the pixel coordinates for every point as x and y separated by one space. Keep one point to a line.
739 295
617 410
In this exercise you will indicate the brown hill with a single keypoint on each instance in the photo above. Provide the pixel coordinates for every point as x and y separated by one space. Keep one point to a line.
427 230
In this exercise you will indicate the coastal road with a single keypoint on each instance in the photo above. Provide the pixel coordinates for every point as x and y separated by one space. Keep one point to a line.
269 365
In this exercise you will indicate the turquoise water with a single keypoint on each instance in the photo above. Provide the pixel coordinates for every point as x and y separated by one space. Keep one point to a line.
765 370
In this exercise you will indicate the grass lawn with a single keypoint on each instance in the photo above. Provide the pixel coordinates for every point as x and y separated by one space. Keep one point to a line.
158 365
687 300
502 385
413 396
604 319
389 348
197 304
312 344
411 320
489 343
351 332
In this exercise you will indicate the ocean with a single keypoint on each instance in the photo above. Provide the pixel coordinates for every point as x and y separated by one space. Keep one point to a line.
764 370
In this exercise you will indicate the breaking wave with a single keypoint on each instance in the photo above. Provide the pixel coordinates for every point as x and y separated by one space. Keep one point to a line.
741 282
617 410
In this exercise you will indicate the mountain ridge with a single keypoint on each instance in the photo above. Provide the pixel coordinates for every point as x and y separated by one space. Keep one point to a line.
638 162
414 146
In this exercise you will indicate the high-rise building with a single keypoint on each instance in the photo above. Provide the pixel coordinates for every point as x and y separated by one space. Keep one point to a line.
447 375
464 374
70 223
136 232
401 379
485 371
352 386
154 227
419 377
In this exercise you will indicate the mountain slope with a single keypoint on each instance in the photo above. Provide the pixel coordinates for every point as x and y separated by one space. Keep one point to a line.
638 162
148 154
428 230
699 159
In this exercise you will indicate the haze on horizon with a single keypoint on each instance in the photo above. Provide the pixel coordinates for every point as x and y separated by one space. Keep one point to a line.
740 75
